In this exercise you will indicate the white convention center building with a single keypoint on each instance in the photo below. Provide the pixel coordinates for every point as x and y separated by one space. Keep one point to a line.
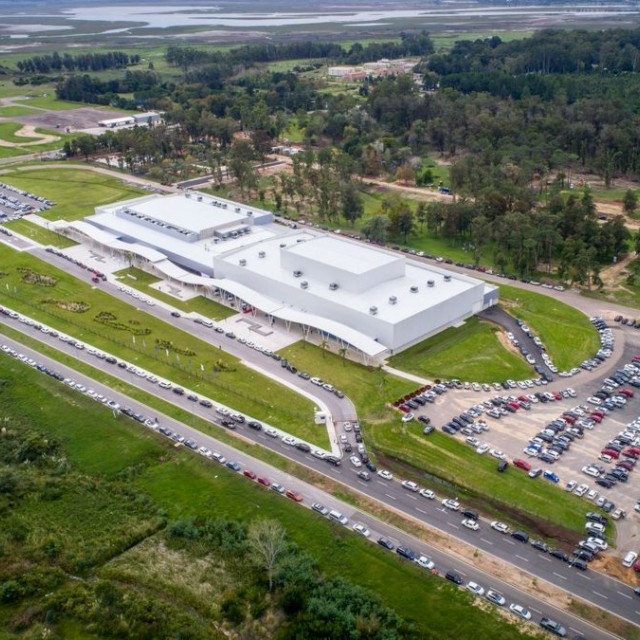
376 301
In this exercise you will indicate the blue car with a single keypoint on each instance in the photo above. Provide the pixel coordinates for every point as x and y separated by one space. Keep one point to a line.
549 475
234 466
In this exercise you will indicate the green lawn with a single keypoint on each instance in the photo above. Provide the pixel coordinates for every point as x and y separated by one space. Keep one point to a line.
14 112
189 361
200 304
13 152
566 332
49 101
367 387
8 130
538 505
76 192
178 484
471 353
39 234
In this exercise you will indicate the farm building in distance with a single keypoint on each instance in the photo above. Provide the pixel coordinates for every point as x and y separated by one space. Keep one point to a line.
377 301
149 118
377 69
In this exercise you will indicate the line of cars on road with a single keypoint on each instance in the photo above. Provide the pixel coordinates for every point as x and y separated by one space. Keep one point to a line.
97 275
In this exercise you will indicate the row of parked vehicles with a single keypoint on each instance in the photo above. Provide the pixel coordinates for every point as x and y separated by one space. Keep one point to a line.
97 275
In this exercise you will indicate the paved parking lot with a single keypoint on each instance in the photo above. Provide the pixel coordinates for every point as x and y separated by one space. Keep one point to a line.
15 203
511 433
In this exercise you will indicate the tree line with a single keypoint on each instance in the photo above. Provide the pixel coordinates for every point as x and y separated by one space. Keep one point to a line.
79 62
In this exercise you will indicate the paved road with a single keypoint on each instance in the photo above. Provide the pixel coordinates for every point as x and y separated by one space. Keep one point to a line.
403 501
593 587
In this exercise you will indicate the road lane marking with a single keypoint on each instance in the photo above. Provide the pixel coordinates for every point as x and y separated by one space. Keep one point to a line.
559 575
486 541
624 595
545 558
585 577
413 497
390 496
521 558
595 593
421 510
455 526
509 541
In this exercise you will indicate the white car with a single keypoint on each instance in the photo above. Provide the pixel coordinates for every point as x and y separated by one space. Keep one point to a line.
470 524
270 431
571 485
499 455
496 598
520 611
591 471
595 401
355 461
482 449
410 485
449 503
425 563
474 442
347 426
290 440
408 417
385 475
591 495
475 588
595 527
362 530
318 453
598 542
500 527
581 489
428 494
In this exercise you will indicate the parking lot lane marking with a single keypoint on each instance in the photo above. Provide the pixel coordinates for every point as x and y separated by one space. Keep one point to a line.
486 541
522 558
390 496
455 526
624 595
595 593
559 575
421 510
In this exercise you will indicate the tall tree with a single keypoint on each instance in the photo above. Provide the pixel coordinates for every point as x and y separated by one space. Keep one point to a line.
267 540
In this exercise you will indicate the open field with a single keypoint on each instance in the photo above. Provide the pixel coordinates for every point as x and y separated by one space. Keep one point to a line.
368 388
541 507
142 280
76 192
470 353
37 233
8 133
12 112
567 333
75 307
114 492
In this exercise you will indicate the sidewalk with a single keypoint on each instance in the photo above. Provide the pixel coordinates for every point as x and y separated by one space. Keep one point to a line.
406 375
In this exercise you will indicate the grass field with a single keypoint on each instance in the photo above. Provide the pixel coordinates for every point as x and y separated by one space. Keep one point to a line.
142 280
201 367
470 353
540 506
76 192
88 517
14 112
39 234
49 101
566 332
13 152
8 130
367 387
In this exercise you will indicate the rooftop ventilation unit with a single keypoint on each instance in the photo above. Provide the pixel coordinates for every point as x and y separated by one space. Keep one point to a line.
297 273
333 286
430 283
447 278
373 310
282 245
304 284
243 262
261 254
237 209
413 289
249 213
199 198
393 299
187 194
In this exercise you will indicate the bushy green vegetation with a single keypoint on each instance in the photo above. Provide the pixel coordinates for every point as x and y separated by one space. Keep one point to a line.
142 280
115 533
143 339
471 353
566 332
76 192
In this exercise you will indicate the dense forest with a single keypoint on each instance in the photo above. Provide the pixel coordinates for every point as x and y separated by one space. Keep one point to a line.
512 118
81 62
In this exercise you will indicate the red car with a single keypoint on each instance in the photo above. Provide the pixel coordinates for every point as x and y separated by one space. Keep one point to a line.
610 452
296 497
514 405
626 392
636 358
625 465
569 419
522 464
264 482
250 474
597 417
632 452
636 567
557 396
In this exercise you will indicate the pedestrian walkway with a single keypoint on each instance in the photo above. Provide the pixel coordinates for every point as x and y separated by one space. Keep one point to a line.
406 375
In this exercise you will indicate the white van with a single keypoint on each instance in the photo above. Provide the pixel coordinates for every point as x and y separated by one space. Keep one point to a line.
336 516
629 559
207 323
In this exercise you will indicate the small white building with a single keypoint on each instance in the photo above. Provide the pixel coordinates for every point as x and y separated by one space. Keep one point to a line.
147 118
377 301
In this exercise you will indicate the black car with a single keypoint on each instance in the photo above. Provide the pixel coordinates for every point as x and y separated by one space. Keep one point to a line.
405 552
347 448
332 460
503 465
175 314
470 514
560 554
253 424
424 419
521 536
110 360
178 391
303 446
449 429
454 577
604 482
594 516
206 403
386 543
372 467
